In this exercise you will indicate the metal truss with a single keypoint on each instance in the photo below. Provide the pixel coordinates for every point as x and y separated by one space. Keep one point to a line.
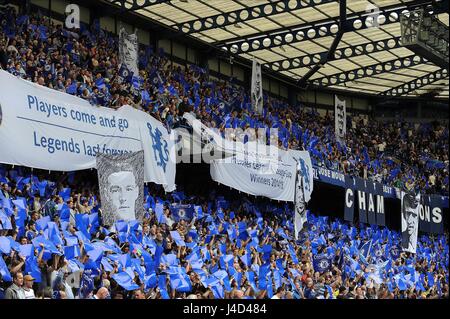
416 84
341 53
137 4
324 28
247 14
333 47
426 35
370 70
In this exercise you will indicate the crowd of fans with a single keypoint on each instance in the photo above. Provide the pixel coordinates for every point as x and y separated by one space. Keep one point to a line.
85 63
54 244
230 247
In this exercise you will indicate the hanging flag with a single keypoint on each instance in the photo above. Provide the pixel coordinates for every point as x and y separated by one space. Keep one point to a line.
340 120
410 221
256 87
300 205
128 51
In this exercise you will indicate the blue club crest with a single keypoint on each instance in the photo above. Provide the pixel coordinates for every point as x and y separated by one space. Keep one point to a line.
324 264
379 252
395 252
160 147
182 213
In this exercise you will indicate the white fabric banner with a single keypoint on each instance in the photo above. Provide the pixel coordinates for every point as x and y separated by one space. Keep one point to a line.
299 209
254 168
47 129
270 175
303 188
128 51
340 119
206 139
410 221
305 170
257 87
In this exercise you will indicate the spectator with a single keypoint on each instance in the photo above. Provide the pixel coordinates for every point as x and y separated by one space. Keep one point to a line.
28 287
16 291
102 293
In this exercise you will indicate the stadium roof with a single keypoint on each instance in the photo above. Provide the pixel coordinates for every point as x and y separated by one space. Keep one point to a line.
293 37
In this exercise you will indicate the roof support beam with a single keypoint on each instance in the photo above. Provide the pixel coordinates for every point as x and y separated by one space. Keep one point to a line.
370 70
416 84
336 41
341 53
246 14
137 4
324 28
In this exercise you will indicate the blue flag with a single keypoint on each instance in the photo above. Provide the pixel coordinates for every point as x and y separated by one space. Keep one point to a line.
177 238
185 212
4 271
321 263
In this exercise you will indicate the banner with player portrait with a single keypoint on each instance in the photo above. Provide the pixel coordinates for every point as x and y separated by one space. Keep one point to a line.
121 184
410 220
257 87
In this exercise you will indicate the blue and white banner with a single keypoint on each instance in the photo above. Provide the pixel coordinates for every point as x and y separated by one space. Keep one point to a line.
329 176
333 177
270 174
369 198
303 188
349 203
47 129
305 170
431 214
361 199
253 167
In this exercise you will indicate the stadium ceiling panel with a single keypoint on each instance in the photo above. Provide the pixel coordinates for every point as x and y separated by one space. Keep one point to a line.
294 36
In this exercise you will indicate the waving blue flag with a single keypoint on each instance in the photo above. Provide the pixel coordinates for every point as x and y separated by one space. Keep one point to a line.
177 238
321 263
5 245
125 281
32 268
4 271
65 194
185 212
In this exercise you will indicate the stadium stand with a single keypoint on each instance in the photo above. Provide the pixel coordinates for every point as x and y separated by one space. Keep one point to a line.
52 232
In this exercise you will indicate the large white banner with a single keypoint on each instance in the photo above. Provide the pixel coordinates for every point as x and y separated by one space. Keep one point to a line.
340 119
256 87
128 51
410 221
258 173
51 130
253 168
202 140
